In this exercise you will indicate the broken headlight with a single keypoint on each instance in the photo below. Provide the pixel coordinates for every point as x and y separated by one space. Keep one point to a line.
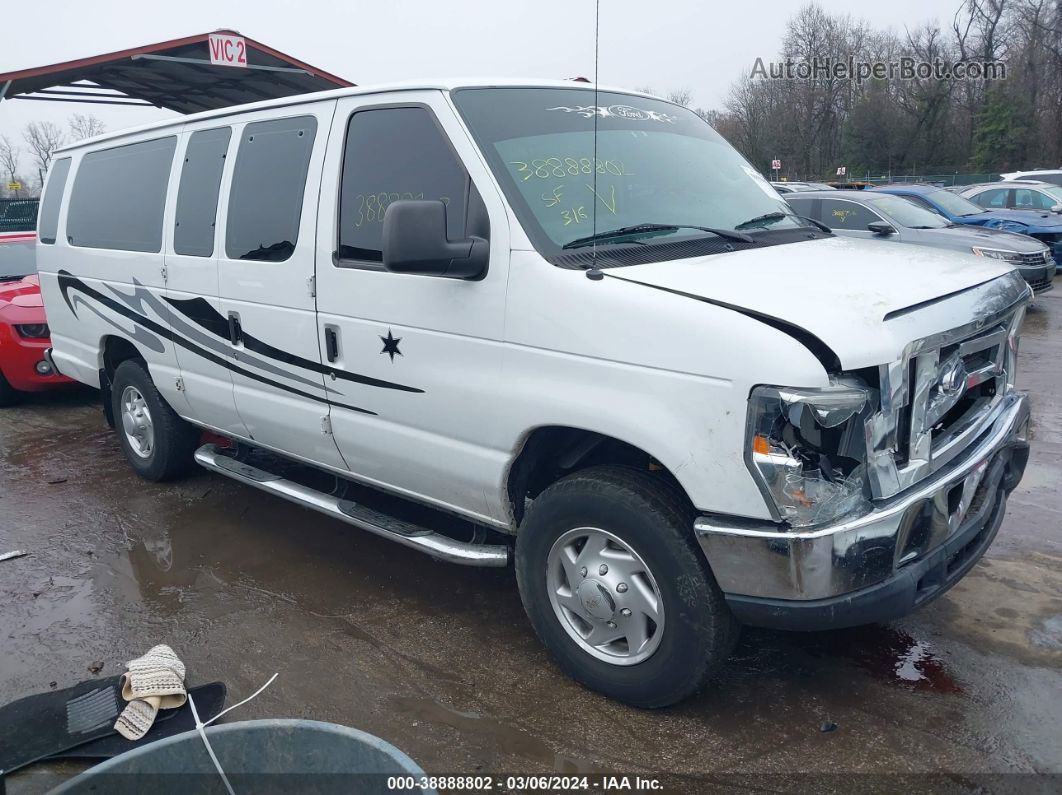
807 450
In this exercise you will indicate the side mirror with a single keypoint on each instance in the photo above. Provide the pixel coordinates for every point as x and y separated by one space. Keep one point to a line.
881 228
1057 208
414 241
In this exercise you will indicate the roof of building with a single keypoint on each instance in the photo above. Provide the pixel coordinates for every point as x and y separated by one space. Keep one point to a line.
177 75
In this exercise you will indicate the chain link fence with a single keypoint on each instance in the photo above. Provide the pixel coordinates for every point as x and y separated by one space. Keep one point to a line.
18 215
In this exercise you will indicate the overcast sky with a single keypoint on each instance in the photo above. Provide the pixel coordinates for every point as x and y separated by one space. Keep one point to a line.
700 45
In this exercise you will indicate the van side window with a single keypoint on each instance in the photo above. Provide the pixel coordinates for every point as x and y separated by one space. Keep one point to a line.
197 195
265 203
392 154
119 196
48 224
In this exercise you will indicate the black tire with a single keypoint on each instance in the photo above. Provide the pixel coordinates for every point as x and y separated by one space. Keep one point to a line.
656 522
9 396
174 439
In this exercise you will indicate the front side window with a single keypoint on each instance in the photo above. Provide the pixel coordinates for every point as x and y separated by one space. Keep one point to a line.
839 214
268 182
392 154
48 223
197 196
119 196
651 162
1037 199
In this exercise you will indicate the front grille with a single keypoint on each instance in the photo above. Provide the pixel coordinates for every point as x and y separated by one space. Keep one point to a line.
1043 280
1039 258
936 399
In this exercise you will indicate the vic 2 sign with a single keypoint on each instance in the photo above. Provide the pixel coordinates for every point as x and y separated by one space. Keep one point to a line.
226 50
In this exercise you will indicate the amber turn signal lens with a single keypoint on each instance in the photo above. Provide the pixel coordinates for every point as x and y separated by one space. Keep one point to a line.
760 445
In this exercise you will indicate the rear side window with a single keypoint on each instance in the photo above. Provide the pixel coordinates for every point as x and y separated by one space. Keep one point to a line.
48 223
119 197
392 154
197 196
265 203
992 198
846 215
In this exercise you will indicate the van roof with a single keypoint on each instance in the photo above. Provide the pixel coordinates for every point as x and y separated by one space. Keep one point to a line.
443 84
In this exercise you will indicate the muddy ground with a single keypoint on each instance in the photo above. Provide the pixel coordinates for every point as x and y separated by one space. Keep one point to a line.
440 661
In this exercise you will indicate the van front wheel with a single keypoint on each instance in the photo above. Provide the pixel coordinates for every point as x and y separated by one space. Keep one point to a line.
158 444
617 589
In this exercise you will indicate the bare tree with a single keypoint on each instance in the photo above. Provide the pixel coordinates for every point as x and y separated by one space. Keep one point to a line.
43 139
9 158
680 96
85 126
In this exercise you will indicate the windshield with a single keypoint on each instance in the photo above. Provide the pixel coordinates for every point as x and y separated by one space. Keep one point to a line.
955 205
907 213
655 163
17 258
1053 190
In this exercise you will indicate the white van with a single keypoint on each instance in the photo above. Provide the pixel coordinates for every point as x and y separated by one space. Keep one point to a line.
578 322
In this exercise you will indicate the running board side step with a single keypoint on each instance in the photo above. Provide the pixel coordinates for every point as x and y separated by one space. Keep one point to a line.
414 536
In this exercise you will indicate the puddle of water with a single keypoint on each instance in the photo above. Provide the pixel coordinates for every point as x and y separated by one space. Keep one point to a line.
1049 633
891 655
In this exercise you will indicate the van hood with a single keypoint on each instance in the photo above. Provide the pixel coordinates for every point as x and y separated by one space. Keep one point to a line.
837 291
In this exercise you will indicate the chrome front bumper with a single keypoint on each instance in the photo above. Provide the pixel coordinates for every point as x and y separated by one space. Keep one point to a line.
761 561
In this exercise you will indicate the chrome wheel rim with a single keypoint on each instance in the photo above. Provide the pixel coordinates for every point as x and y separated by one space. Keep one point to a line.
605 596
136 422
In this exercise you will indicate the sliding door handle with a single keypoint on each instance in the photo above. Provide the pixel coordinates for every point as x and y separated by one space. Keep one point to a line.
331 344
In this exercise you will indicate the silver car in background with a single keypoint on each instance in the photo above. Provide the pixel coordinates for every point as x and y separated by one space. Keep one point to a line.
1031 195
883 216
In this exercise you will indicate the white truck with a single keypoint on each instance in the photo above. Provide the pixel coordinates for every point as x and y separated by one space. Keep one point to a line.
573 325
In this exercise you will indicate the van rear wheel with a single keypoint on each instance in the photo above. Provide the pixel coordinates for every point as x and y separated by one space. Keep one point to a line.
616 588
157 443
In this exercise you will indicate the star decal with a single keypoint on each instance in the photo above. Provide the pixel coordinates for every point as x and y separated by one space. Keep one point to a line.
391 345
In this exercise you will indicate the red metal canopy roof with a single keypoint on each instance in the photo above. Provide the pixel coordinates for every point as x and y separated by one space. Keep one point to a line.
176 75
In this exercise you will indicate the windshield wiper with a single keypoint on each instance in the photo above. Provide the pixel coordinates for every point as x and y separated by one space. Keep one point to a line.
813 222
761 219
650 229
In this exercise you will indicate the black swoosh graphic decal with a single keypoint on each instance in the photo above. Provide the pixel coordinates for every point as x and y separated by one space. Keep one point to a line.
200 312
68 281
142 300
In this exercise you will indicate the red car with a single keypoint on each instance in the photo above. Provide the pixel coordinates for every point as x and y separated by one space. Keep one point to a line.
23 329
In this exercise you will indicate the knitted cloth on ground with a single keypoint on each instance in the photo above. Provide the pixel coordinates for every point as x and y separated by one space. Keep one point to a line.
135 720
158 673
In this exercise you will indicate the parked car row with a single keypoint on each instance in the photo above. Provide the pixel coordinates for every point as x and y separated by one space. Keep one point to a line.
958 209
879 214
